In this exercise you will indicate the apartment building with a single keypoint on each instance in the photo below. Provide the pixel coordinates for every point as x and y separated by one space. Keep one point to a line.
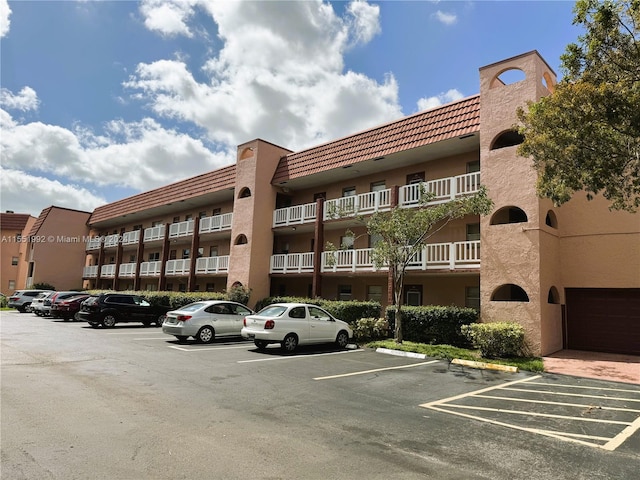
13 250
570 274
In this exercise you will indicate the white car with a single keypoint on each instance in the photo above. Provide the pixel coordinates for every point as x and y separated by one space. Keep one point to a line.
37 306
206 320
293 324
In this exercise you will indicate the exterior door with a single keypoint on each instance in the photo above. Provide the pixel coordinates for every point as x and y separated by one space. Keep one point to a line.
321 326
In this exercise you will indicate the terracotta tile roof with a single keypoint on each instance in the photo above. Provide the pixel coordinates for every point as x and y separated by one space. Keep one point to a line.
45 213
210 182
13 221
435 125
40 221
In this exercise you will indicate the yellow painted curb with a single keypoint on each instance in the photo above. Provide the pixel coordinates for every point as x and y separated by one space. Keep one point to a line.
488 366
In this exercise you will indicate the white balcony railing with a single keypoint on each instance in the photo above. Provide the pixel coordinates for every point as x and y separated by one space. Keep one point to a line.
434 256
127 270
94 243
90 271
210 265
292 263
295 215
181 229
108 271
177 267
150 269
154 233
131 238
362 204
217 223
443 189
111 240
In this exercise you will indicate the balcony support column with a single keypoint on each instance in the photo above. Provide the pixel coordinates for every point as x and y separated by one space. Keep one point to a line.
195 245
162 281
318 243
100 262
395 195
116 279
139 257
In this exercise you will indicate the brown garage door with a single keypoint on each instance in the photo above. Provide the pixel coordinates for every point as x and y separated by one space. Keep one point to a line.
603 319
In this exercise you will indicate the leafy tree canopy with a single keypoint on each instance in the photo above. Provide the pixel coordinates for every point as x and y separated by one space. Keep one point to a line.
586 134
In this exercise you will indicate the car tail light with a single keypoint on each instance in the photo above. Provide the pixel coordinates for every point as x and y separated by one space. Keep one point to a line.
183 318
13 298
269 324
244 322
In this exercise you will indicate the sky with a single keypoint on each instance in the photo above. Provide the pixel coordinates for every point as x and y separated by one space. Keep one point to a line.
100 100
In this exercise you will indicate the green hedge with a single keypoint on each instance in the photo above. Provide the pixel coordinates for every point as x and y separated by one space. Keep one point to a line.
497 339
433 324
173 299
348 311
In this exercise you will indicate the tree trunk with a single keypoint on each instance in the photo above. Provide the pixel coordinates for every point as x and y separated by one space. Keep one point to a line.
398 296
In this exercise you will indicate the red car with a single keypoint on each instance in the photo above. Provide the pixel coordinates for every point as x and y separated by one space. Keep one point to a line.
67 308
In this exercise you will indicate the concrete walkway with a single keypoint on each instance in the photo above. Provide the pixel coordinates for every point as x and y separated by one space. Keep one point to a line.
603 366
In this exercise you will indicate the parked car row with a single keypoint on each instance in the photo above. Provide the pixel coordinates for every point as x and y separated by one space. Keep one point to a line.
287 324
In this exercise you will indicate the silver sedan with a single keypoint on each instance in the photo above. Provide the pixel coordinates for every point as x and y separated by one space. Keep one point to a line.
206 320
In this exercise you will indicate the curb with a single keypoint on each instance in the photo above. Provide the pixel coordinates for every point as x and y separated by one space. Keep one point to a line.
484 365
455 361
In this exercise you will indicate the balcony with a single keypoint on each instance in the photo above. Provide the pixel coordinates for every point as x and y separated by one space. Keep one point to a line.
212 265
181 229
111 240
150 269
178 267
434 256
90 272
292 263
296 215
217 223
443 190
127 270
94 243
154 233
362 204
131 238
108 271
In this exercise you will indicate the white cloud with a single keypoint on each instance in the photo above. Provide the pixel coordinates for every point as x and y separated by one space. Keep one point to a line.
43 193
279 76
25 100
168 17
141 155
431 102
5 13
446 18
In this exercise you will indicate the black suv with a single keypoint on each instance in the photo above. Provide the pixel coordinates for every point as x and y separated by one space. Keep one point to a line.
107 309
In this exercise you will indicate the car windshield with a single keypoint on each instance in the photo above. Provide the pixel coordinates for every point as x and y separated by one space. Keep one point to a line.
192 307
272 311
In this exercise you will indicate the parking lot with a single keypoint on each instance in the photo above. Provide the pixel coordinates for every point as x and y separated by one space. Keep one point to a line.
163 409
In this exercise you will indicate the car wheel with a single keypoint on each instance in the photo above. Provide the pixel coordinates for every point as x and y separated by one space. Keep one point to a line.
27 307
146 324
76 318
65 319
21 309
205 335
160 320
94 324
38 314
261 344
290 343
342 339
109 320
181 338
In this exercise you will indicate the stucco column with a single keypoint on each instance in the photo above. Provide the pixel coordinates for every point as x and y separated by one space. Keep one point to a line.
100 261
162 281
139 257
195 244
116 279
318 243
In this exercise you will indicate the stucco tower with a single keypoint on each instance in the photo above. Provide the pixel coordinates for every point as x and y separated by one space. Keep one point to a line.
519 255
253 205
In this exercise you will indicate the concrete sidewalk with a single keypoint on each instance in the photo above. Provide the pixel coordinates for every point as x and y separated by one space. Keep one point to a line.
603 366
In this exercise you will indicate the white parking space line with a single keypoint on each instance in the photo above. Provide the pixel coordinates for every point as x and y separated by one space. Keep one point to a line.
125 333
205 349
297 357
609 443
364 372
153 338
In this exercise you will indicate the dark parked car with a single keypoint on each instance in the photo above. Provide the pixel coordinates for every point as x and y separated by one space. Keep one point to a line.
107 309
53 299
67 308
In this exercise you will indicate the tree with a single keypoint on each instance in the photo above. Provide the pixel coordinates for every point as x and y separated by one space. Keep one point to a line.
586 134
404 231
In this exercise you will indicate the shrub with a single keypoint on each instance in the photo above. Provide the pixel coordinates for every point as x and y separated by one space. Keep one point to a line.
4 301
369 329
348 311
43 286
496 339
433 324
239 294
175 300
